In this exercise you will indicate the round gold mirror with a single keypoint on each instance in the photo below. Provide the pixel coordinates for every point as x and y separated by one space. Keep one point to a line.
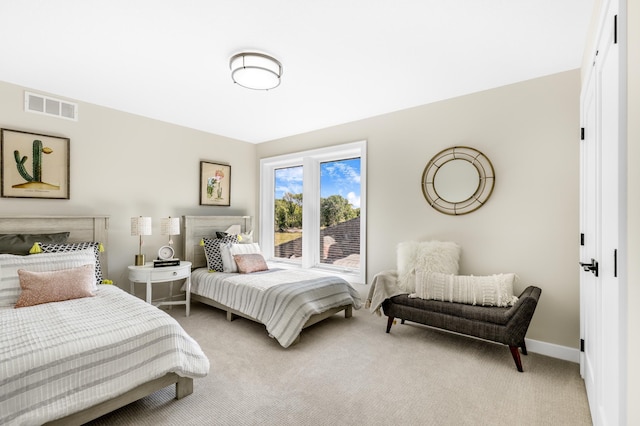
458 180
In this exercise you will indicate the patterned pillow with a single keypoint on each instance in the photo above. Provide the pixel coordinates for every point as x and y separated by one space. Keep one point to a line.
248 263
243 237
71 247
212 251
55 286
10 263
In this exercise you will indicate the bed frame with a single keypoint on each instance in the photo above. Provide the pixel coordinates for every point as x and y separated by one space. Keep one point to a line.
194 228
91 228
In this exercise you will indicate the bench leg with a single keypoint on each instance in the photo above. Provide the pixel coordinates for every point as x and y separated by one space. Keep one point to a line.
389 323
515 353
523 347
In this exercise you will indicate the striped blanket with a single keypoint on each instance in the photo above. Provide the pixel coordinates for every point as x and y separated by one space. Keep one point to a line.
60 358
281 299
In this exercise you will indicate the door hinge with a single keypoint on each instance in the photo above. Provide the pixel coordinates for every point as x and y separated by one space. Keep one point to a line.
582 239
581 345
615 29
581 133
615 263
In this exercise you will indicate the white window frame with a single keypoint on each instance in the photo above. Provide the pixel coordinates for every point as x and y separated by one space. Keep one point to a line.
310 160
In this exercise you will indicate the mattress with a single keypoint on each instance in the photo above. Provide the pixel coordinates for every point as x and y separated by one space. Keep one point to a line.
60 358
281 299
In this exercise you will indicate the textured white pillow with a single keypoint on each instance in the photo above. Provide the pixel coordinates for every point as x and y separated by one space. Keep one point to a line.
492 290
9 264
227 251
438 256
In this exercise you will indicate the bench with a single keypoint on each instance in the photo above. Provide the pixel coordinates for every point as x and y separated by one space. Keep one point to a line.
501 325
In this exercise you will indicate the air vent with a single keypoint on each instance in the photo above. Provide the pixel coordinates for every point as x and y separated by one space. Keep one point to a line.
46 105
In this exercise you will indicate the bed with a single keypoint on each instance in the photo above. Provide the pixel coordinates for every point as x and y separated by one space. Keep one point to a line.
72 361
286 301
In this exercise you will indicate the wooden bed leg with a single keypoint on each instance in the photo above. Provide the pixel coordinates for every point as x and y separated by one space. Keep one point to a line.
389 323
184 387
515 353
348 312
230 316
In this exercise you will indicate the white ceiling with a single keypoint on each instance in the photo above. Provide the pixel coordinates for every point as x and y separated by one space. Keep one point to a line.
343 60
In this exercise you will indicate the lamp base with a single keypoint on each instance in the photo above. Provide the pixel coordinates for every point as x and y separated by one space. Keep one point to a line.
139 260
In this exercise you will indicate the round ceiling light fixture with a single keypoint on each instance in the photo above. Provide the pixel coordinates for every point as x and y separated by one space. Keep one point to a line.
255 71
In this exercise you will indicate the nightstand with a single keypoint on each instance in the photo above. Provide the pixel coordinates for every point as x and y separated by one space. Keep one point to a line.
150 275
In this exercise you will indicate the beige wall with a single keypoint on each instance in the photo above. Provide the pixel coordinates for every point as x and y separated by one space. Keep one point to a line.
123 165
529 226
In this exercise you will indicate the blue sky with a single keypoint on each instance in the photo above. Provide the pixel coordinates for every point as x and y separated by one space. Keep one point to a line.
336 177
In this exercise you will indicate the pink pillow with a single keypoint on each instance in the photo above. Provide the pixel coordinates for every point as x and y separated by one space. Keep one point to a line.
55 286
248 263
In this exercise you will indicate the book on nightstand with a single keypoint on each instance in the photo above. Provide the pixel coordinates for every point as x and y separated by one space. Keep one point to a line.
158 263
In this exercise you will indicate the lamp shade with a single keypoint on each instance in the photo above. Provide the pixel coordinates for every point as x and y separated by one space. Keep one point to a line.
140 225
255 71
170 226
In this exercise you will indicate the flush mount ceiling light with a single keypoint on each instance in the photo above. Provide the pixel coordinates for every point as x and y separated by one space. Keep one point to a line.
255 71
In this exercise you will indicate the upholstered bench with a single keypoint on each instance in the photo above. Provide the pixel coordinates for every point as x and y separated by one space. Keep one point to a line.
506 325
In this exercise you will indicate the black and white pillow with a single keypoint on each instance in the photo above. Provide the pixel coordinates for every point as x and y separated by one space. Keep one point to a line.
212 251
70 247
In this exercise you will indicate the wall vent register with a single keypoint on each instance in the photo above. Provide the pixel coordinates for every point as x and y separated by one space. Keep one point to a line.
47 105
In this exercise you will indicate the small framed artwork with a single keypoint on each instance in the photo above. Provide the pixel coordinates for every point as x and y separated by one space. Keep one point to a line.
215 184
34 165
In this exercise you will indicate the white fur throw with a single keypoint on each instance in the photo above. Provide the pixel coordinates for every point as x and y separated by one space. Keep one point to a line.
492 290
435 256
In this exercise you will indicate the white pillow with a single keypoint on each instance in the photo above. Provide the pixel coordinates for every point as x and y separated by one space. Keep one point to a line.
227 251
9 264
435 256
492 290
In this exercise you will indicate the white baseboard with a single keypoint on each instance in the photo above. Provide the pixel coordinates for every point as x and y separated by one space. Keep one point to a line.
552 350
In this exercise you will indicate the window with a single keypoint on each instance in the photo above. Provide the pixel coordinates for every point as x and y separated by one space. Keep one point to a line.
313 210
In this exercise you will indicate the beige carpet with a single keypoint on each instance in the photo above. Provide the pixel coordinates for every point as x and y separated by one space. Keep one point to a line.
350 372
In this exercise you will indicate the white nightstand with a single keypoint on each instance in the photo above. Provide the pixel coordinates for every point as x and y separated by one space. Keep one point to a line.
150 275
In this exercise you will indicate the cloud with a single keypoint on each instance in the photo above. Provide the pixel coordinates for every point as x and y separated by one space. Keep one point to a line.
354 199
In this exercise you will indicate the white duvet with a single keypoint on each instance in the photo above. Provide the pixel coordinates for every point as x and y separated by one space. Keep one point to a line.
60 358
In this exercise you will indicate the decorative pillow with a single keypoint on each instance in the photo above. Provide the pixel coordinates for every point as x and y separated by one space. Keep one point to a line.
212 251
9 265
71 247
248 263
21 243
492 290
434 256
55 286
228 250
243 237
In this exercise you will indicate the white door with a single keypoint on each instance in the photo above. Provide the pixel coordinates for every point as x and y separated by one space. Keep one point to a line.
608 69
590 241
600 224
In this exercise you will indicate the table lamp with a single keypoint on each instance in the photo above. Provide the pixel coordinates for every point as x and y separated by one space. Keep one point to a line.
140 226
170 226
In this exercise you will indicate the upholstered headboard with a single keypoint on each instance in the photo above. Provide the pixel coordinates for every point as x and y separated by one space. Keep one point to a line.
80 228
194 228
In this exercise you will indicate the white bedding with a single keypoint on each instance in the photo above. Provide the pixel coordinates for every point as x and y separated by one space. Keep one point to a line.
281 299
60 358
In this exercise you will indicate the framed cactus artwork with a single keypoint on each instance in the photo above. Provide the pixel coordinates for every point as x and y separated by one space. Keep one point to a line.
34 165
215 184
